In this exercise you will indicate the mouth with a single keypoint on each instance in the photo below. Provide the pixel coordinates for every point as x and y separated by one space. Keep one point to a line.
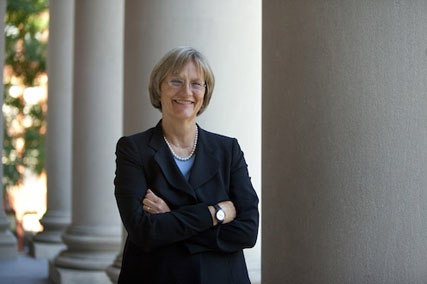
183 102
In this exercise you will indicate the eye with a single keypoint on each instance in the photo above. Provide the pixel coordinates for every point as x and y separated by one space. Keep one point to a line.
176 83
197 85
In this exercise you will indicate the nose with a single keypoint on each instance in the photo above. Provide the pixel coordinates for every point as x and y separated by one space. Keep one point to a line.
187 89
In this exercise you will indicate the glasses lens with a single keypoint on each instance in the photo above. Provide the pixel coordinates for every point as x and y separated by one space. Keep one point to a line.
197 86
177 83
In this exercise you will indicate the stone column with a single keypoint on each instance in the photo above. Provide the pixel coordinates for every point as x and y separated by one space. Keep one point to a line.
344 141
48 243
113 271
229 34
8 249
93 239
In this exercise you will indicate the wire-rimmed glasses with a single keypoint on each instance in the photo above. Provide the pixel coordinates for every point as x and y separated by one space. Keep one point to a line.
178 83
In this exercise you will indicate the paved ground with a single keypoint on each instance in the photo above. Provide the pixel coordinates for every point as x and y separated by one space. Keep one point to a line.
27 270
24 270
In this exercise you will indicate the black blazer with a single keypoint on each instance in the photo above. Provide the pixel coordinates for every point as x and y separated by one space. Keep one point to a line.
182 246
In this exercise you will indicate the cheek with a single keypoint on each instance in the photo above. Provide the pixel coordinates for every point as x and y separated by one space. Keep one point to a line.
164 97
201 98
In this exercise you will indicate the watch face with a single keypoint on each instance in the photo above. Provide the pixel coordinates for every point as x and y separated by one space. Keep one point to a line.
220 215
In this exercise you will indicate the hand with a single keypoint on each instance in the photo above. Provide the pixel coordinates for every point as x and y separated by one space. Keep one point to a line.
154 204
229 209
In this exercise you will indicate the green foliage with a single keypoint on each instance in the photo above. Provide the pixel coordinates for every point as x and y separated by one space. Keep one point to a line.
24 50
26 25
34 150
10 160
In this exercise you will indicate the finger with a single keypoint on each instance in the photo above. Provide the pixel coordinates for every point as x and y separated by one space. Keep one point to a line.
152 210
149 192
152 196
149 203
154 205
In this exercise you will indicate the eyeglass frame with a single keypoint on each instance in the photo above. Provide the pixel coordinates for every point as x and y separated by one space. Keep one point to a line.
183 82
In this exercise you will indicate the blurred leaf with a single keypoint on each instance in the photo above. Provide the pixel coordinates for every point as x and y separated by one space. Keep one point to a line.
25 55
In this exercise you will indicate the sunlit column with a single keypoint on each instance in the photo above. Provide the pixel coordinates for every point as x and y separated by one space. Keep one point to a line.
229 34
8 247
344 141
59 126
93 239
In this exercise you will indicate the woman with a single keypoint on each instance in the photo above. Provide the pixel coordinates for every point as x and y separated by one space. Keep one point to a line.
184 194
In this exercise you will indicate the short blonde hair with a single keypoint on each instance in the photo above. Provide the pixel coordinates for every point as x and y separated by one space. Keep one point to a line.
173 62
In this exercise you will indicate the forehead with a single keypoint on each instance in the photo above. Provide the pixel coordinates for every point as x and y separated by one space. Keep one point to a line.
177 69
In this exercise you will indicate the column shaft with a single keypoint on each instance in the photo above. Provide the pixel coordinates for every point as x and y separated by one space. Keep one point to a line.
8 249
229 34
344 142
59 121
93 239
113 271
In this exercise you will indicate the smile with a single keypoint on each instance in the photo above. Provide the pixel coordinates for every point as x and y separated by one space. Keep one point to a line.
183 102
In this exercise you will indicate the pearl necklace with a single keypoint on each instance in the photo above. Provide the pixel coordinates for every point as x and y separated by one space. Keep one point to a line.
192 151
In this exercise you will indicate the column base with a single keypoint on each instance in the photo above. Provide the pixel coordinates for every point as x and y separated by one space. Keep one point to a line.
47 244
71 276
49 237
89 248
95 261
8 246
113 273
46 250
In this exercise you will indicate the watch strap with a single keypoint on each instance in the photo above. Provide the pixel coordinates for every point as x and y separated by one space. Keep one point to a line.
218 208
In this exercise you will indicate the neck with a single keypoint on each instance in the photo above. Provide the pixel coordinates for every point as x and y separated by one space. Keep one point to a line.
179 133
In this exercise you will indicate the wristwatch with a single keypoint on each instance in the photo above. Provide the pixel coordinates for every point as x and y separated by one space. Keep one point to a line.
219 214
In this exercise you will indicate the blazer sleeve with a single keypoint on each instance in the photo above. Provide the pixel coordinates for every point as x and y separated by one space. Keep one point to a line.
242 232
150 231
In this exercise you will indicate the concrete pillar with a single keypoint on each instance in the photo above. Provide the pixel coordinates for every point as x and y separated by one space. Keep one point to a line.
113 271
93 239
8 249
229 34
344 142
48 243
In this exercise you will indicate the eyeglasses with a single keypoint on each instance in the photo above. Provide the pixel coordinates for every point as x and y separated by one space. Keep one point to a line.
195 86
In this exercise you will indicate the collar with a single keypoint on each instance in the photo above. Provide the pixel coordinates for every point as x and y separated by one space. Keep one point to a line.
205 164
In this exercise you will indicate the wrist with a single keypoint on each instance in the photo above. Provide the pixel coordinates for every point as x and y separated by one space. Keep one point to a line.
212 211
219 214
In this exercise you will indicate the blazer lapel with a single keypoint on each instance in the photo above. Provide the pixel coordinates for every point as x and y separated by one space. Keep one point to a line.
165 160
206 164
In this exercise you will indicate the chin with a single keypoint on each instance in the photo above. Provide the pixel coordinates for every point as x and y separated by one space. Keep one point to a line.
186 117
182 115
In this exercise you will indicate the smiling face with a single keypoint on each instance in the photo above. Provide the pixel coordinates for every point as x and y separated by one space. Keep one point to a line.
182 93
